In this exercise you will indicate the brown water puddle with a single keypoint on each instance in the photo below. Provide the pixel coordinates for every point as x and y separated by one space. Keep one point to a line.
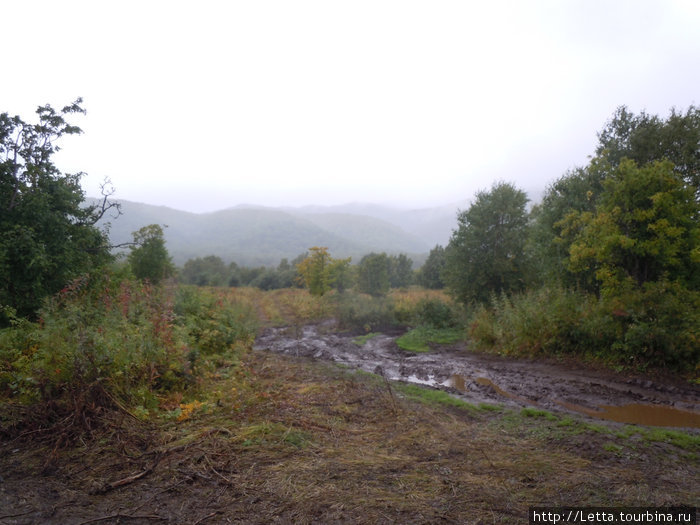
635 413
640 414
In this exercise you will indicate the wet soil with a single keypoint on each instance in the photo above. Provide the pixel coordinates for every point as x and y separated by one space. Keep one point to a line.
296 441
480 378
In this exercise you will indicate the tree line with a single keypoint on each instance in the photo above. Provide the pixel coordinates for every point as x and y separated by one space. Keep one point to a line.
627 219
615 244
608 263
316 270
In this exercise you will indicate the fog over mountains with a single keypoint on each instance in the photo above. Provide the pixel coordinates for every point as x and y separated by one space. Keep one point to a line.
262 236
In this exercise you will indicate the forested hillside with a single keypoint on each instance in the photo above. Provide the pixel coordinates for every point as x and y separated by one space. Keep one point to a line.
258 236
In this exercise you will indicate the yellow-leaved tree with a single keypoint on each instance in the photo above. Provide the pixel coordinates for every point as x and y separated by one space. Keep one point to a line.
319 272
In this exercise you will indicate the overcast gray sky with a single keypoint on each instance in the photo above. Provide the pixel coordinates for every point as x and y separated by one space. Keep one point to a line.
208 104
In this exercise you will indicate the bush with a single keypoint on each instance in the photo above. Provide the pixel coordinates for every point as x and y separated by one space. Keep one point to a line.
105 342
99 342
656 325
435 313
215 321
365 313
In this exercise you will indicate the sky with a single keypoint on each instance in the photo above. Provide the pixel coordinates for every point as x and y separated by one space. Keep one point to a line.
206 105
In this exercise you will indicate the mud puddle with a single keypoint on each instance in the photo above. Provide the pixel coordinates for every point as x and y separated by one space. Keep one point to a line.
491 379
636 413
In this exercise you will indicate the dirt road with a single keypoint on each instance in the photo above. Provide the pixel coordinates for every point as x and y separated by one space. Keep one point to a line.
492 379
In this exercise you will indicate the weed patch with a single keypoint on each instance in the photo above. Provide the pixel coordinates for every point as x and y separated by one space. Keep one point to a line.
433 396
107 343
419 339
361 340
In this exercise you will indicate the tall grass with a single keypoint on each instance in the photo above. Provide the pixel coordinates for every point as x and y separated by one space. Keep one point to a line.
656 326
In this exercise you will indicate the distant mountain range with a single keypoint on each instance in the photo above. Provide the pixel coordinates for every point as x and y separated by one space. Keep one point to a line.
260 236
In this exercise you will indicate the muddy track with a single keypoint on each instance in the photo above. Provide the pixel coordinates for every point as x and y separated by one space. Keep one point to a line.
491 379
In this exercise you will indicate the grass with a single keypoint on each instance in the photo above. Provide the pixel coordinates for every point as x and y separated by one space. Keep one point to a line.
433 396
537 413
419 339
360 340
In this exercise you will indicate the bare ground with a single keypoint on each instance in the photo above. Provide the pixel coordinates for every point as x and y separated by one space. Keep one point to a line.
289 439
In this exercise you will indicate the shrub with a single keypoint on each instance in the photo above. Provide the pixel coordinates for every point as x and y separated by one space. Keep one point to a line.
99 342
365 313
544 320
214 320
435 313
106 342
656 325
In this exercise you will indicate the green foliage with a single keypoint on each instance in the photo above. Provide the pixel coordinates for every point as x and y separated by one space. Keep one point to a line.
366 313
319 271
577 191
486 252
342 274
149 258
46 237
211 271
108 342
546 320
431 273
643 229
419 339
433 396
373 274
361 340
269 279
215 322
656 325
207 271
400 271
537 413
647 138
435 313
102 341
315 270
625 231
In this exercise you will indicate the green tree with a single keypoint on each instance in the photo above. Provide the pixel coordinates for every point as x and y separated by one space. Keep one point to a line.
268 279
207 271
400 271
315 271
47 237
486 252
287 274
149 258
234 273
546 250
373 274
646 138
430 274
643 229
342 275
247 276
642 138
